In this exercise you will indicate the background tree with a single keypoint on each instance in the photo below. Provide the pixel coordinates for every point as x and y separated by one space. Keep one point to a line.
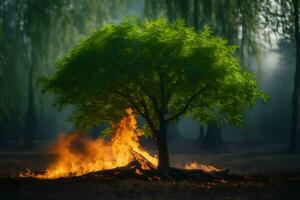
161 70
33 35
295 132
281 18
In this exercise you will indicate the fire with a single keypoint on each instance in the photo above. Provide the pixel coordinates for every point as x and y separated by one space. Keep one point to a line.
198 166
78 154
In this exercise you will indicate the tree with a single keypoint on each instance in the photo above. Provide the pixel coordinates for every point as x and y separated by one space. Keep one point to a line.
161 70
30 117
12 50
213 136
201 134
29 46
234 20
295 130
283 20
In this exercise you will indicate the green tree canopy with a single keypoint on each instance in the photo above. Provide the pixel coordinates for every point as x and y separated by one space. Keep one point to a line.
161 70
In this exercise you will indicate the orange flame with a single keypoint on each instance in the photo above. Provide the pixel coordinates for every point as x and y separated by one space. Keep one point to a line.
198 166
78 154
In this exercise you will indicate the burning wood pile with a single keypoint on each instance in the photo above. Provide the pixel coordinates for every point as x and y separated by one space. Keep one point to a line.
122 155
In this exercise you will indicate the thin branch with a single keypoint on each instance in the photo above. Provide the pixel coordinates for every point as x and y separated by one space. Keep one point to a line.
163 100
131 101
143 88
144 114
148 119
171 91
188 103
152 99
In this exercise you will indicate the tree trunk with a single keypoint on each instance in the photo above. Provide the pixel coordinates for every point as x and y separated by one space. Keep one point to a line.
147 9
3 134
170 10
207 12
30 119
154 8
163 152
173 132
213 136
197 15
293 148
201 134
184 10
3 34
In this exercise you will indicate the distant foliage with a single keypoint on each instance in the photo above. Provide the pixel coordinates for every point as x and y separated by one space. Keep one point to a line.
33 35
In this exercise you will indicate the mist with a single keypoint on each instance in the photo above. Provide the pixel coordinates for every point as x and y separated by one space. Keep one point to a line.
35 41
149 99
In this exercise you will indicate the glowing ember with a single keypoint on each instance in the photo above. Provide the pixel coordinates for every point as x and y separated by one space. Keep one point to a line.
79 154
205 168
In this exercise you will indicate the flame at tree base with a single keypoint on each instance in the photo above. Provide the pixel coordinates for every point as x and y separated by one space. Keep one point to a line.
78 154
198 166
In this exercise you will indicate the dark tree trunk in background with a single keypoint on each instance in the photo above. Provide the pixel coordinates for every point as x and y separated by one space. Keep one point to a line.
207 9
3 135
196 15
201 134
184 10
295 131
243 44
3 23
213 136
163 152
170 10
147 7
154 8
173 132
30 118
151 8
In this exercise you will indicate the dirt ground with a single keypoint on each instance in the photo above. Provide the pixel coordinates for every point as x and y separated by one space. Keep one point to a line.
265 172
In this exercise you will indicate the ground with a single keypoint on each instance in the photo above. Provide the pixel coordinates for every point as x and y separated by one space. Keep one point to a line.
264 172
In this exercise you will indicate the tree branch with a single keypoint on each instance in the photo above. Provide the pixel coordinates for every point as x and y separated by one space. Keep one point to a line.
149 121
152 99
163 100
144 114
143 88
131 101
188 103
